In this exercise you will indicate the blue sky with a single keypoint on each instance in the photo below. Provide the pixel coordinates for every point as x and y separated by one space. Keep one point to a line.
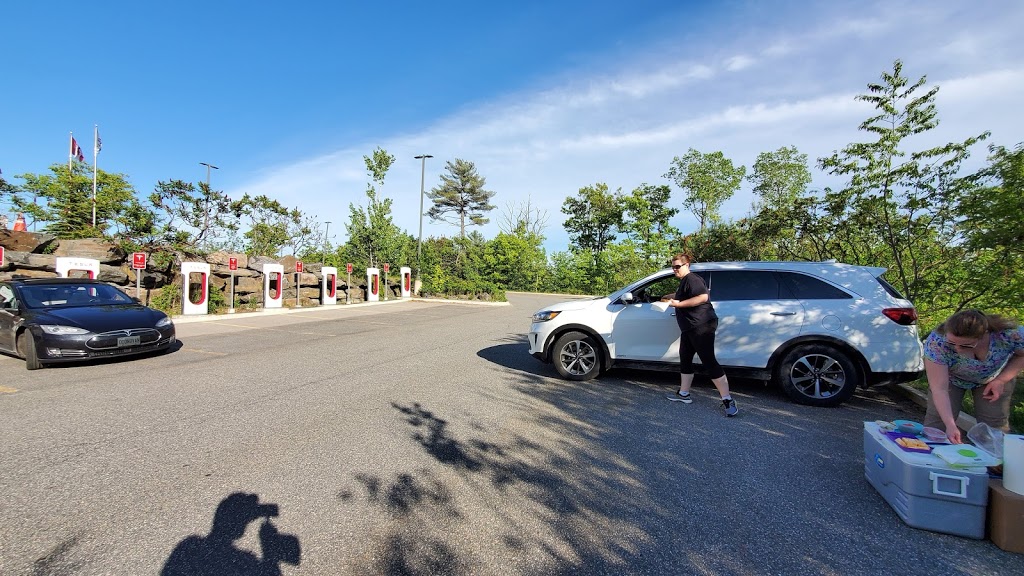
544 97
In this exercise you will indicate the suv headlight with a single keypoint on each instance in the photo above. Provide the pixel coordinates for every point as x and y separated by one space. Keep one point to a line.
57 329
545 315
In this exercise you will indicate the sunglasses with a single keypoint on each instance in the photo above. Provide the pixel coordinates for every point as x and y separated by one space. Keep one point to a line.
678 266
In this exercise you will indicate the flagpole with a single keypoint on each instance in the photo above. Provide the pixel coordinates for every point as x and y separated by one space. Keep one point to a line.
95 154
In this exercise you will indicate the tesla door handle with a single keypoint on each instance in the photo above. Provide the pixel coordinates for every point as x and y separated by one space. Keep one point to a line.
783 313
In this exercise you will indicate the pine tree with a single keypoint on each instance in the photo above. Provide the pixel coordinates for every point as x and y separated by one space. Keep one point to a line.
461 195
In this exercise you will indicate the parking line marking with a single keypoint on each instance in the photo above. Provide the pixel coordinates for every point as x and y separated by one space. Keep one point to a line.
7 390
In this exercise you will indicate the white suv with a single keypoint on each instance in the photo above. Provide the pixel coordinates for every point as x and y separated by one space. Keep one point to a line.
819 329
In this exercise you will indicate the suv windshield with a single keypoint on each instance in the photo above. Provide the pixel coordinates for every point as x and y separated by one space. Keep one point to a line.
67 295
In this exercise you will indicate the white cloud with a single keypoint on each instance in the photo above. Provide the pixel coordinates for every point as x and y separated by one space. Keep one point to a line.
737 63
623 126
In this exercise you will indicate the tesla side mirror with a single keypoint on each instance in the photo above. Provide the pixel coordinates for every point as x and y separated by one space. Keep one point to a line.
627 298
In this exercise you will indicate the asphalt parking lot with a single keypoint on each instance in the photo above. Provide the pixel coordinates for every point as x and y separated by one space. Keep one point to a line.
421 438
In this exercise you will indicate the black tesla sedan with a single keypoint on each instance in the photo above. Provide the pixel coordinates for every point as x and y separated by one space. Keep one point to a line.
53 320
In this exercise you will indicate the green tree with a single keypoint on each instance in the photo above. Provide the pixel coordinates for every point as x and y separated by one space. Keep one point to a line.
780 177
515 261
896 198
780 180
268 225
645 222
62 200
595 215
993 234
460 195
373 237
992 213
708 180
196 217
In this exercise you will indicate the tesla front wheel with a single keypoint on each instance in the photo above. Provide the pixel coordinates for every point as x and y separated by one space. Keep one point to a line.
27 349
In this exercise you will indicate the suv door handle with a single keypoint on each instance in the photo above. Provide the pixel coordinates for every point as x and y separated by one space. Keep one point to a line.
783 313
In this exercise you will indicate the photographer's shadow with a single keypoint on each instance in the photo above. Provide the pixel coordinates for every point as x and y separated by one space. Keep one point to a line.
216 553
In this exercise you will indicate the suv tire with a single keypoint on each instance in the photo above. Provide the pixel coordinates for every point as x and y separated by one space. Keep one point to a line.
818 375
576 356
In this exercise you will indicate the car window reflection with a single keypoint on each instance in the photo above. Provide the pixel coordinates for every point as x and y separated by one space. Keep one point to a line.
72 295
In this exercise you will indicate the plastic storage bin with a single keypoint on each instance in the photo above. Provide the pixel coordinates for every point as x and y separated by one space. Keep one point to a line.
923 490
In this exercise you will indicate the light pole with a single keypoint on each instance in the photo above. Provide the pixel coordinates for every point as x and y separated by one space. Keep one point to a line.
423 168
323 256
206 206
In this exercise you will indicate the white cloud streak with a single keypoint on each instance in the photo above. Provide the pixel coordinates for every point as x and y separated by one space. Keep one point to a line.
795 87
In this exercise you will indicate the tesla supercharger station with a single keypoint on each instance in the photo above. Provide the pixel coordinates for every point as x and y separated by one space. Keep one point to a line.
65 266
406 282
329 286
273 285
372 284
195 287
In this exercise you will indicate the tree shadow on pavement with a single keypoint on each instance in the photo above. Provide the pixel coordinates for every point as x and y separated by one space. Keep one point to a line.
607 476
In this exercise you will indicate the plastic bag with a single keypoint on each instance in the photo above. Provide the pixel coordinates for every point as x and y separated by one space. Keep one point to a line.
987 438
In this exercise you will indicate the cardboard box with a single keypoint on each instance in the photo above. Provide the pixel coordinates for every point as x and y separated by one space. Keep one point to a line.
1005 517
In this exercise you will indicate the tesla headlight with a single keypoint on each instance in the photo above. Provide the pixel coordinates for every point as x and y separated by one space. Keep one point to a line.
62 330
545 315
164 322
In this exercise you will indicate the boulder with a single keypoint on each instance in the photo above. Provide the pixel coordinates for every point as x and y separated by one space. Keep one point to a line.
29 261
248 285
25 241
113 275
220 259
94 248
256 263
26 273
150 279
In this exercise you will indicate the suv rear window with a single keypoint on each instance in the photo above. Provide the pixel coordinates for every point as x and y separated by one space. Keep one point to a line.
890 288
745 285
806 287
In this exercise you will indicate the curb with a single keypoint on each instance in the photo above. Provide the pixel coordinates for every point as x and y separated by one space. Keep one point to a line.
964 421
188 319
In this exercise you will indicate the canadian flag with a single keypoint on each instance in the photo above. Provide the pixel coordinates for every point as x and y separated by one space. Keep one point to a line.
76 150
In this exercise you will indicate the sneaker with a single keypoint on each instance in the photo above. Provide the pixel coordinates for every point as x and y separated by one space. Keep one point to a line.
730 407
680 397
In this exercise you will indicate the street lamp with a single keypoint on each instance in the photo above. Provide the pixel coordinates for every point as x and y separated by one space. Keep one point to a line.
423 167
323 256
206 207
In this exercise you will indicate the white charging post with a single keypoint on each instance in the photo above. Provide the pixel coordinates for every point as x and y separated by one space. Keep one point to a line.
406 283
202 269
273 285
328 286
66 265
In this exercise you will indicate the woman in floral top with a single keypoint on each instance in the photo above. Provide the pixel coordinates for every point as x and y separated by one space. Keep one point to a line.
977 353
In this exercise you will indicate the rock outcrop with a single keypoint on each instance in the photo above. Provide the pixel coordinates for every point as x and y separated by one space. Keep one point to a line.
28 254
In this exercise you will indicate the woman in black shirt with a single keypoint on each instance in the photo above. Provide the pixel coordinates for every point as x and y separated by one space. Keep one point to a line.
697 324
